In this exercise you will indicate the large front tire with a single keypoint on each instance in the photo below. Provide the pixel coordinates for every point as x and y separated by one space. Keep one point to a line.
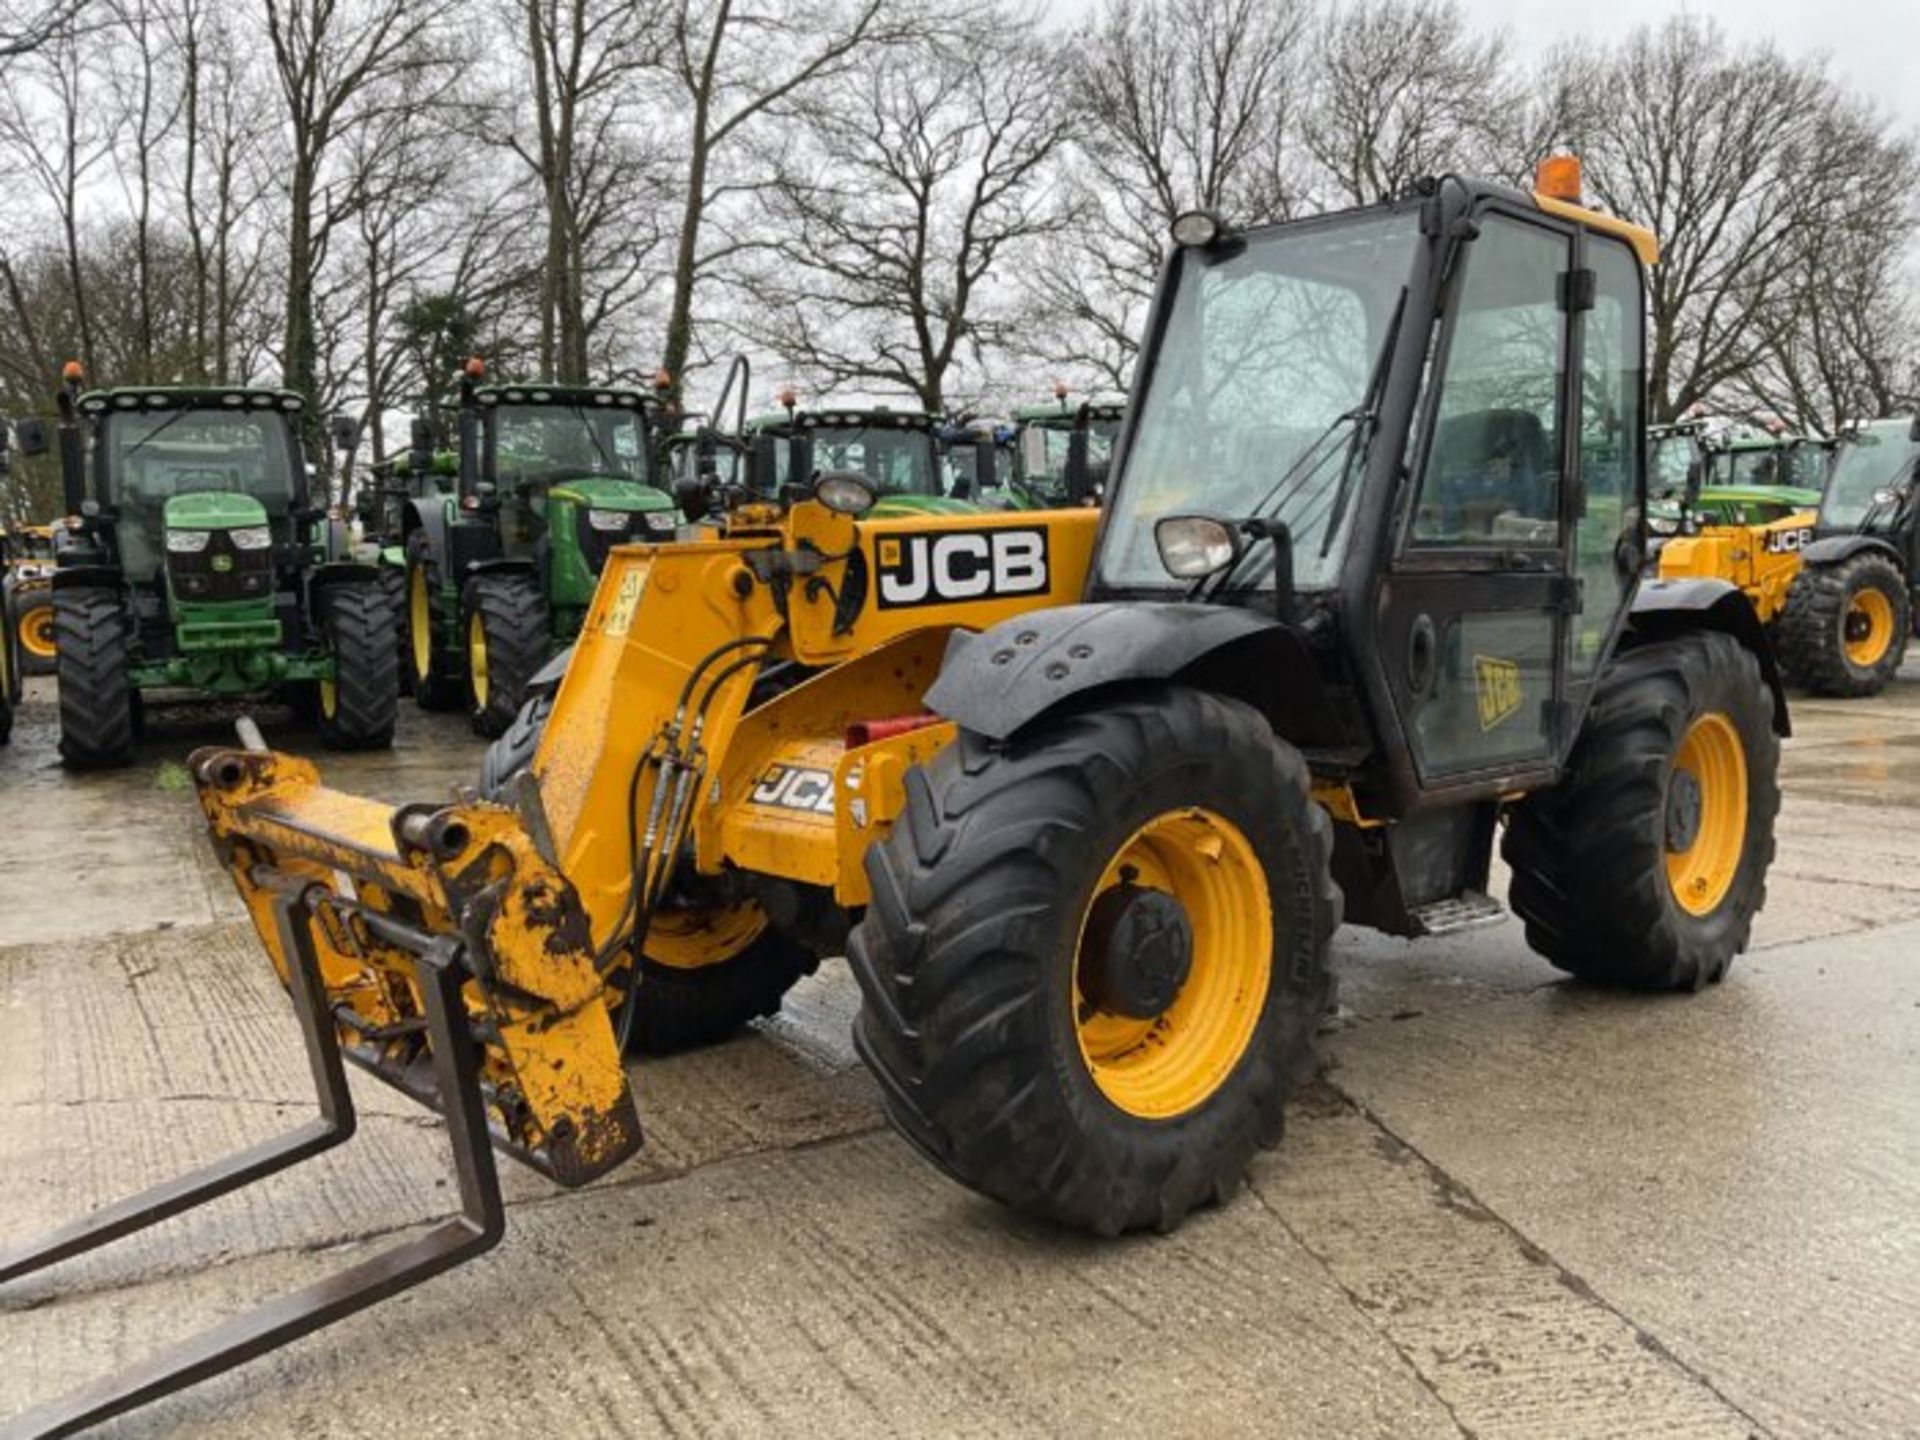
1844 630
358 707
96 702
1646 865
508 635
1096 956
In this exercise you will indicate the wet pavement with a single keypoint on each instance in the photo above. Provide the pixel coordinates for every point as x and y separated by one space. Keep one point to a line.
1512 1206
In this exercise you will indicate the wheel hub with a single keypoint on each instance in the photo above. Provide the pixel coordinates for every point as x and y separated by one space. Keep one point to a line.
1683 811
1138 952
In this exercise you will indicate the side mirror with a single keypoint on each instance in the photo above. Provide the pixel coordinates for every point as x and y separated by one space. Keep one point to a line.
690 494
986 471
345 431
32 435
420 446
1913 430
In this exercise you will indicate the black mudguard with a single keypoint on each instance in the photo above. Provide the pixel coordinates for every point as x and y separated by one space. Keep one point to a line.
429 518
1003 678
336 572
96 577
1837 549
1664 608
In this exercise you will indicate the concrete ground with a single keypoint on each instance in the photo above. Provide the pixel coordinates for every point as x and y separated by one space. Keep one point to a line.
1513 1206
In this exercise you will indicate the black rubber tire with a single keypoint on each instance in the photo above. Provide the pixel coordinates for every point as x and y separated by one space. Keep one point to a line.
965 955
90 627
444 685
518 633
366 688
1812 628
512 751
683 1008
25 604
393 584
1589 855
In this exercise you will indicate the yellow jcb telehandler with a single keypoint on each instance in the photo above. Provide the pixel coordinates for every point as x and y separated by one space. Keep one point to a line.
1081 791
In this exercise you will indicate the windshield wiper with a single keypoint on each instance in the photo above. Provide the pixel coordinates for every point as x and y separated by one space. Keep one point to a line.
1369 408
154 434
606 460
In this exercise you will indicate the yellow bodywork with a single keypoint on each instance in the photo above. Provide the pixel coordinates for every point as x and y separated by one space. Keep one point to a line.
655 736
1763 560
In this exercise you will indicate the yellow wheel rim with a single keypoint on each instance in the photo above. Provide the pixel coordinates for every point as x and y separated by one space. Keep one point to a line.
1706 814
329 698
689 939
1867 630
477 656
1171 1064
420 622
36 632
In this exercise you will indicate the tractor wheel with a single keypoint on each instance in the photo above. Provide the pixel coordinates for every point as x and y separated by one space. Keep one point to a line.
509 635
1096 956
33 629
707 974
358 707
96 703
1645 866
1844 629
513 751
439 682
393 585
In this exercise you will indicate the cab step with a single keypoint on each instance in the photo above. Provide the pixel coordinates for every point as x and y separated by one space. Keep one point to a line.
1468 910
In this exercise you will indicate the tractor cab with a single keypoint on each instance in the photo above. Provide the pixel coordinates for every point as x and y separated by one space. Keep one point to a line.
1873 484
1705 472
893 451
978 456
1062 452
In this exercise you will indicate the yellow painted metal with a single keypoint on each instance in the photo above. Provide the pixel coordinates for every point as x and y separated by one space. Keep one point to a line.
477 656
1170 1065
1645 243
1711 753
1868 628
329 698
420 622
1337 799
1763 560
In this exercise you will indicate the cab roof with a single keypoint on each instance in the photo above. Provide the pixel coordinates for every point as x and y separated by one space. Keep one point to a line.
541 392
807 418
190 397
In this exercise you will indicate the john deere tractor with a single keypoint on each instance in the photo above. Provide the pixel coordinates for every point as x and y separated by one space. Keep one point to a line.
1704 472
1830 576
896 452
198 564
500 568
1062 452
1083 794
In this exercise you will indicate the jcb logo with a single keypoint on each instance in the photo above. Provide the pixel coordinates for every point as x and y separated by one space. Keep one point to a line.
960 565
790 787
1786 542
1498 685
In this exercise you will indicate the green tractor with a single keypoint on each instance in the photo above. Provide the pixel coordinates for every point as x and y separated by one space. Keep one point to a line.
897 452
1062 452
500 566
1703 473
201 566
978 455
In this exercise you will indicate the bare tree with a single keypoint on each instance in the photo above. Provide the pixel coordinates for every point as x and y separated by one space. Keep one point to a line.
1403 89
917 179
26 27
1181 103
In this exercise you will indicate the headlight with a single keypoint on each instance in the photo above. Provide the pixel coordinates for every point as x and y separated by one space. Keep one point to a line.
1193 547
1661 525
607 519
662 522
187 542
251 537
844 493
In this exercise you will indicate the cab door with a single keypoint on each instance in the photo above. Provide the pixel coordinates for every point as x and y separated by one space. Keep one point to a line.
1475 612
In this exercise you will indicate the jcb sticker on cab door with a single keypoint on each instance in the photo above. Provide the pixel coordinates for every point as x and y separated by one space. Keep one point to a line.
1498 685
960 565
1785 542
794 787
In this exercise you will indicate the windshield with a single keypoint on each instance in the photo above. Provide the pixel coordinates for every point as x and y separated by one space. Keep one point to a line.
1668 458
152 455
1265 350
1050 442
1880 457
552 442
1769 465
895 460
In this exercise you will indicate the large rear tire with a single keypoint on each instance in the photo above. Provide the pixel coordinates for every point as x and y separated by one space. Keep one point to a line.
96 702
439 680
1844 630
357 708
1645 866
37 645
1096 957
508 636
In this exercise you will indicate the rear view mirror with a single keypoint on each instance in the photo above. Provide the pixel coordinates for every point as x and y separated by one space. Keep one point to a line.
690 494
420 446
345 432
1913 431
32 435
